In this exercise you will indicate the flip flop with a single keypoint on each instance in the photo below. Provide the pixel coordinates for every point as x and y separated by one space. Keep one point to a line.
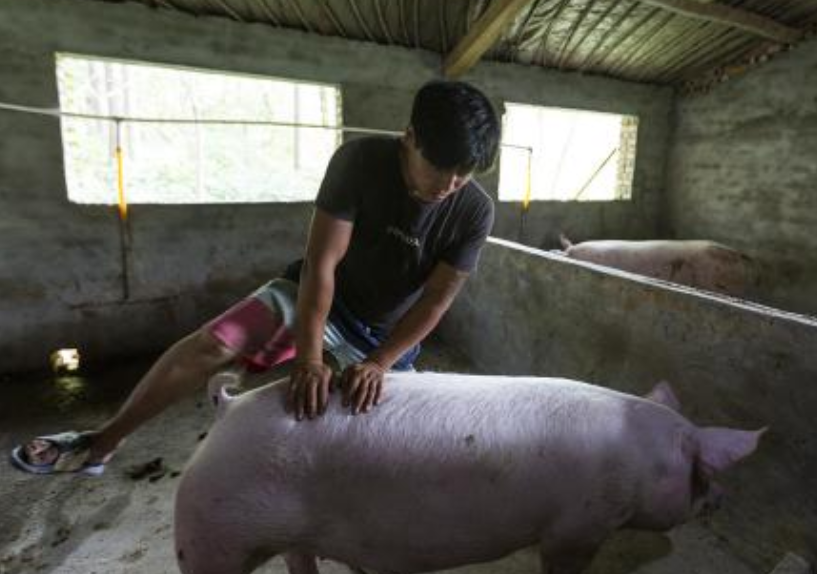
73 449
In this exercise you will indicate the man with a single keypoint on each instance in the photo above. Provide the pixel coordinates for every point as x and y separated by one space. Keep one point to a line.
397 228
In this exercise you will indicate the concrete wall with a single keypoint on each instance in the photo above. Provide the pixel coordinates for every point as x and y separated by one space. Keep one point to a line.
742 171
731 364
61 273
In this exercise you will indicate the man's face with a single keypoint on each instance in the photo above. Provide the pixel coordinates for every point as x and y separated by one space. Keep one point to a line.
425 181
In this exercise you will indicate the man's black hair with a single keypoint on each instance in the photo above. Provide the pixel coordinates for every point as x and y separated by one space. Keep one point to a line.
455 126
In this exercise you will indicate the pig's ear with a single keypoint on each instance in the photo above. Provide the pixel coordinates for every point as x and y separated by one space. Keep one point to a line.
662 394
566 243
720 448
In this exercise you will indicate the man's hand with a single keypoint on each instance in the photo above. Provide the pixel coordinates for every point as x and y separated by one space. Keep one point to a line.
362 385
309 388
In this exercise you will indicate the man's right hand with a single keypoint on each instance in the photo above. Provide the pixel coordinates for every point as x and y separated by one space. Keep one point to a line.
309 388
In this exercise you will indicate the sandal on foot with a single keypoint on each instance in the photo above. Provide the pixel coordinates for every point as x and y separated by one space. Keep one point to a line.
73 450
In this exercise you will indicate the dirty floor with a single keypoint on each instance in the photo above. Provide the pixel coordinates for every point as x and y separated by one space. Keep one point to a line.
121 523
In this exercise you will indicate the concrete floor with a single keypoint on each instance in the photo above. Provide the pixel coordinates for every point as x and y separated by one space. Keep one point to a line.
121 524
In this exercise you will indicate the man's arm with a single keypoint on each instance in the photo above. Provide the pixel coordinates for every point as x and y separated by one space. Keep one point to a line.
363 383
327 244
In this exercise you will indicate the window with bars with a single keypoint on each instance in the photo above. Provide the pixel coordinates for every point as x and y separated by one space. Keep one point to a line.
566 155
192 136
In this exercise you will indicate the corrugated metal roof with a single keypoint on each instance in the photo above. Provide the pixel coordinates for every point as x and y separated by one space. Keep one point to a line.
685 43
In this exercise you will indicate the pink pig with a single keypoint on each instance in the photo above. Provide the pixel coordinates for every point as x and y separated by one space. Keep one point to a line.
448 470
700 264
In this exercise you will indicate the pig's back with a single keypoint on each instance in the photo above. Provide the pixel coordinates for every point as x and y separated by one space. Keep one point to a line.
503 424
421 410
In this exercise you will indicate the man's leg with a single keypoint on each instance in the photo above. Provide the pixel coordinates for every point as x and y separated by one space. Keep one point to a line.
180 370
257 329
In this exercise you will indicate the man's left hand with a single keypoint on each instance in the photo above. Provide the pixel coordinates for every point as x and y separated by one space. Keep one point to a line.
362 385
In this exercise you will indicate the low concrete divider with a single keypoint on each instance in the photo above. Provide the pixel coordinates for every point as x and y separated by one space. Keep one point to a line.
529 312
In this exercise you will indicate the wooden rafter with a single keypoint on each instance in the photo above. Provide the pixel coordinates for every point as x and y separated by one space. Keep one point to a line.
481 36
734 17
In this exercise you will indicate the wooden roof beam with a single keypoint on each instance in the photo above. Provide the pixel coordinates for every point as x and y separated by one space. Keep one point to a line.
734 17
482 35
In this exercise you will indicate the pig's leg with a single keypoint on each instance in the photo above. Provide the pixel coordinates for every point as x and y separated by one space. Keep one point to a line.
204 547
299 563
566 564
562 556
221 561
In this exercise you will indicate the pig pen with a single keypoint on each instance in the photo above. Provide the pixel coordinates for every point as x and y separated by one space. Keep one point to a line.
525 312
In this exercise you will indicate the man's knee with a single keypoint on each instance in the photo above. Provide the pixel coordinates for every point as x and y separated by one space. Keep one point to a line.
203 350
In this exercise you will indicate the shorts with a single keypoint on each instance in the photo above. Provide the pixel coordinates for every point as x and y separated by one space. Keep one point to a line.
260 330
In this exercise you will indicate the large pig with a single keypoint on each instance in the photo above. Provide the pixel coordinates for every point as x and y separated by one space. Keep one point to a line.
448 470
700 264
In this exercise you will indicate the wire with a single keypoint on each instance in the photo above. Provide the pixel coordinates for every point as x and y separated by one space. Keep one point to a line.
119 120
57 113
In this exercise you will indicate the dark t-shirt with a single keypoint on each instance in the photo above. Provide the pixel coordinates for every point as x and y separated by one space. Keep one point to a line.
397 240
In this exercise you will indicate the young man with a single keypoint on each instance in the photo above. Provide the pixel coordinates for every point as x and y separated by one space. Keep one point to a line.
397 228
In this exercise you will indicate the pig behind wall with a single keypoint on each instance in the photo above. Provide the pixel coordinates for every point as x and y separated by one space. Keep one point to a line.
696 263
